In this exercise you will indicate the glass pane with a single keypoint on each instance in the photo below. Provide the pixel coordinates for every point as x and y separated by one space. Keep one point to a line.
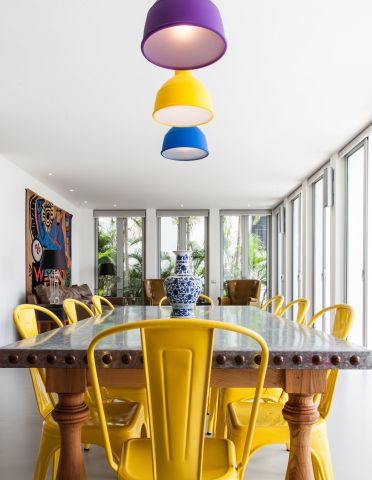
168 243
133 258
327 266
280 258
296 248
355 235
232 248
107 250
195 241
257 251
318 245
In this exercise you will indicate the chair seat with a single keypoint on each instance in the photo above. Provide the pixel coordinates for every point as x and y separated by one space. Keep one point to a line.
118 415
218 463
270 416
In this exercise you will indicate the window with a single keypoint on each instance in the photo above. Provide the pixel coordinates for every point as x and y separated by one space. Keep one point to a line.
245 242
280 251
188 231
120 241
356 288
321 220
296 247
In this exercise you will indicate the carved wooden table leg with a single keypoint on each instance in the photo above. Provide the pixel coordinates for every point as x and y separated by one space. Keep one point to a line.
300 413
70 414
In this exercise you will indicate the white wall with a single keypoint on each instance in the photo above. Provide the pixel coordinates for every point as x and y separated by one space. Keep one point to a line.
13 182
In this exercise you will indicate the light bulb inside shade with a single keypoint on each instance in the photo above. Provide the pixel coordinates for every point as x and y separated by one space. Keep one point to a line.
183 116
184 153
184 47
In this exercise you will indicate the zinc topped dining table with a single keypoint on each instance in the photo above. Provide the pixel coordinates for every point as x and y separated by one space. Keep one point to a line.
299 360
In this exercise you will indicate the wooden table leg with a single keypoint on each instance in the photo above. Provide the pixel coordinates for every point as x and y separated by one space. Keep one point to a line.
70 414
300 413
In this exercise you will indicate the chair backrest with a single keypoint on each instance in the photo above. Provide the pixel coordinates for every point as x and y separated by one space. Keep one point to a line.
202 295
69 306
162 300
24 317
240 291
302 305
177 361
154 290
97 301
342 323
276 303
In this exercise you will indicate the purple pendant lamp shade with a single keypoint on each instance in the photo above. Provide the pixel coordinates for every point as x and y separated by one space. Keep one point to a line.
183 34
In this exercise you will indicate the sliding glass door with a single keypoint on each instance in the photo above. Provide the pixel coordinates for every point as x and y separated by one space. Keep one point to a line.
321 224
296 289
120 242
245 247
179 230
357 246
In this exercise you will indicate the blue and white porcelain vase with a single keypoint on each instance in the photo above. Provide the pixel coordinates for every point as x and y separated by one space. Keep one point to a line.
183 288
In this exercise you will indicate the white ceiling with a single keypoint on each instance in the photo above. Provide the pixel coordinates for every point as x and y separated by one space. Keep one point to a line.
76 98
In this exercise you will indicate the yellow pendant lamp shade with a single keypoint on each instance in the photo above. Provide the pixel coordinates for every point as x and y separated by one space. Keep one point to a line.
183 101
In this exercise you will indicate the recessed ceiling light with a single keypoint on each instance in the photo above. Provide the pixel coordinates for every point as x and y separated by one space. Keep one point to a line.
181 205
50 174
71 190
114 205
85 201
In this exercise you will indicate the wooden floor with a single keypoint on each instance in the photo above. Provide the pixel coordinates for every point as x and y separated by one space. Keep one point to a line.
349 429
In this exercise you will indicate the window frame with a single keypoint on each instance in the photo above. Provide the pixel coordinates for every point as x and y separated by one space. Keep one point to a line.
363 144
181 240
245 268
119 215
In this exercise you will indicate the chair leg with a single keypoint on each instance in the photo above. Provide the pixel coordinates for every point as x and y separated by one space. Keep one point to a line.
212 408
321 456
48 446
55 464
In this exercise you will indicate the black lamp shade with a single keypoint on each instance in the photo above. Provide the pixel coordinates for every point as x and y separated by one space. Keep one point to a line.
107 269
54 260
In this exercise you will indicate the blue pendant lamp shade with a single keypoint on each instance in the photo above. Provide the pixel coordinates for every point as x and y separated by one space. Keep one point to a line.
183 34
185 144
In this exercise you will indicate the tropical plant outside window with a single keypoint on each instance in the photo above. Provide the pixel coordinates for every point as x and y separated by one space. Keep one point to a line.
126 257
179 233
245 247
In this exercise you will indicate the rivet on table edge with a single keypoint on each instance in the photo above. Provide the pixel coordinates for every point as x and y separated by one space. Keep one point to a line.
13 358
32 358
107 358
70 359
278 359
221 359
355 360
126 358
297 359
316 359
51 358
335 359
240 359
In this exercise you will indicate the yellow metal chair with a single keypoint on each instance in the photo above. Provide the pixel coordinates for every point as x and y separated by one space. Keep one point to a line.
69 306
302 305
24 317
126 420
275 303
163 299
271 427
97 301
177 360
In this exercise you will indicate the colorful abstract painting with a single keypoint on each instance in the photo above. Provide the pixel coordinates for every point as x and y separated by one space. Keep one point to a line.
48 227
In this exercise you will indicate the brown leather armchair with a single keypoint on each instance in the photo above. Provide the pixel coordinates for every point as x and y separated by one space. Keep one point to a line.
242 292
154 290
